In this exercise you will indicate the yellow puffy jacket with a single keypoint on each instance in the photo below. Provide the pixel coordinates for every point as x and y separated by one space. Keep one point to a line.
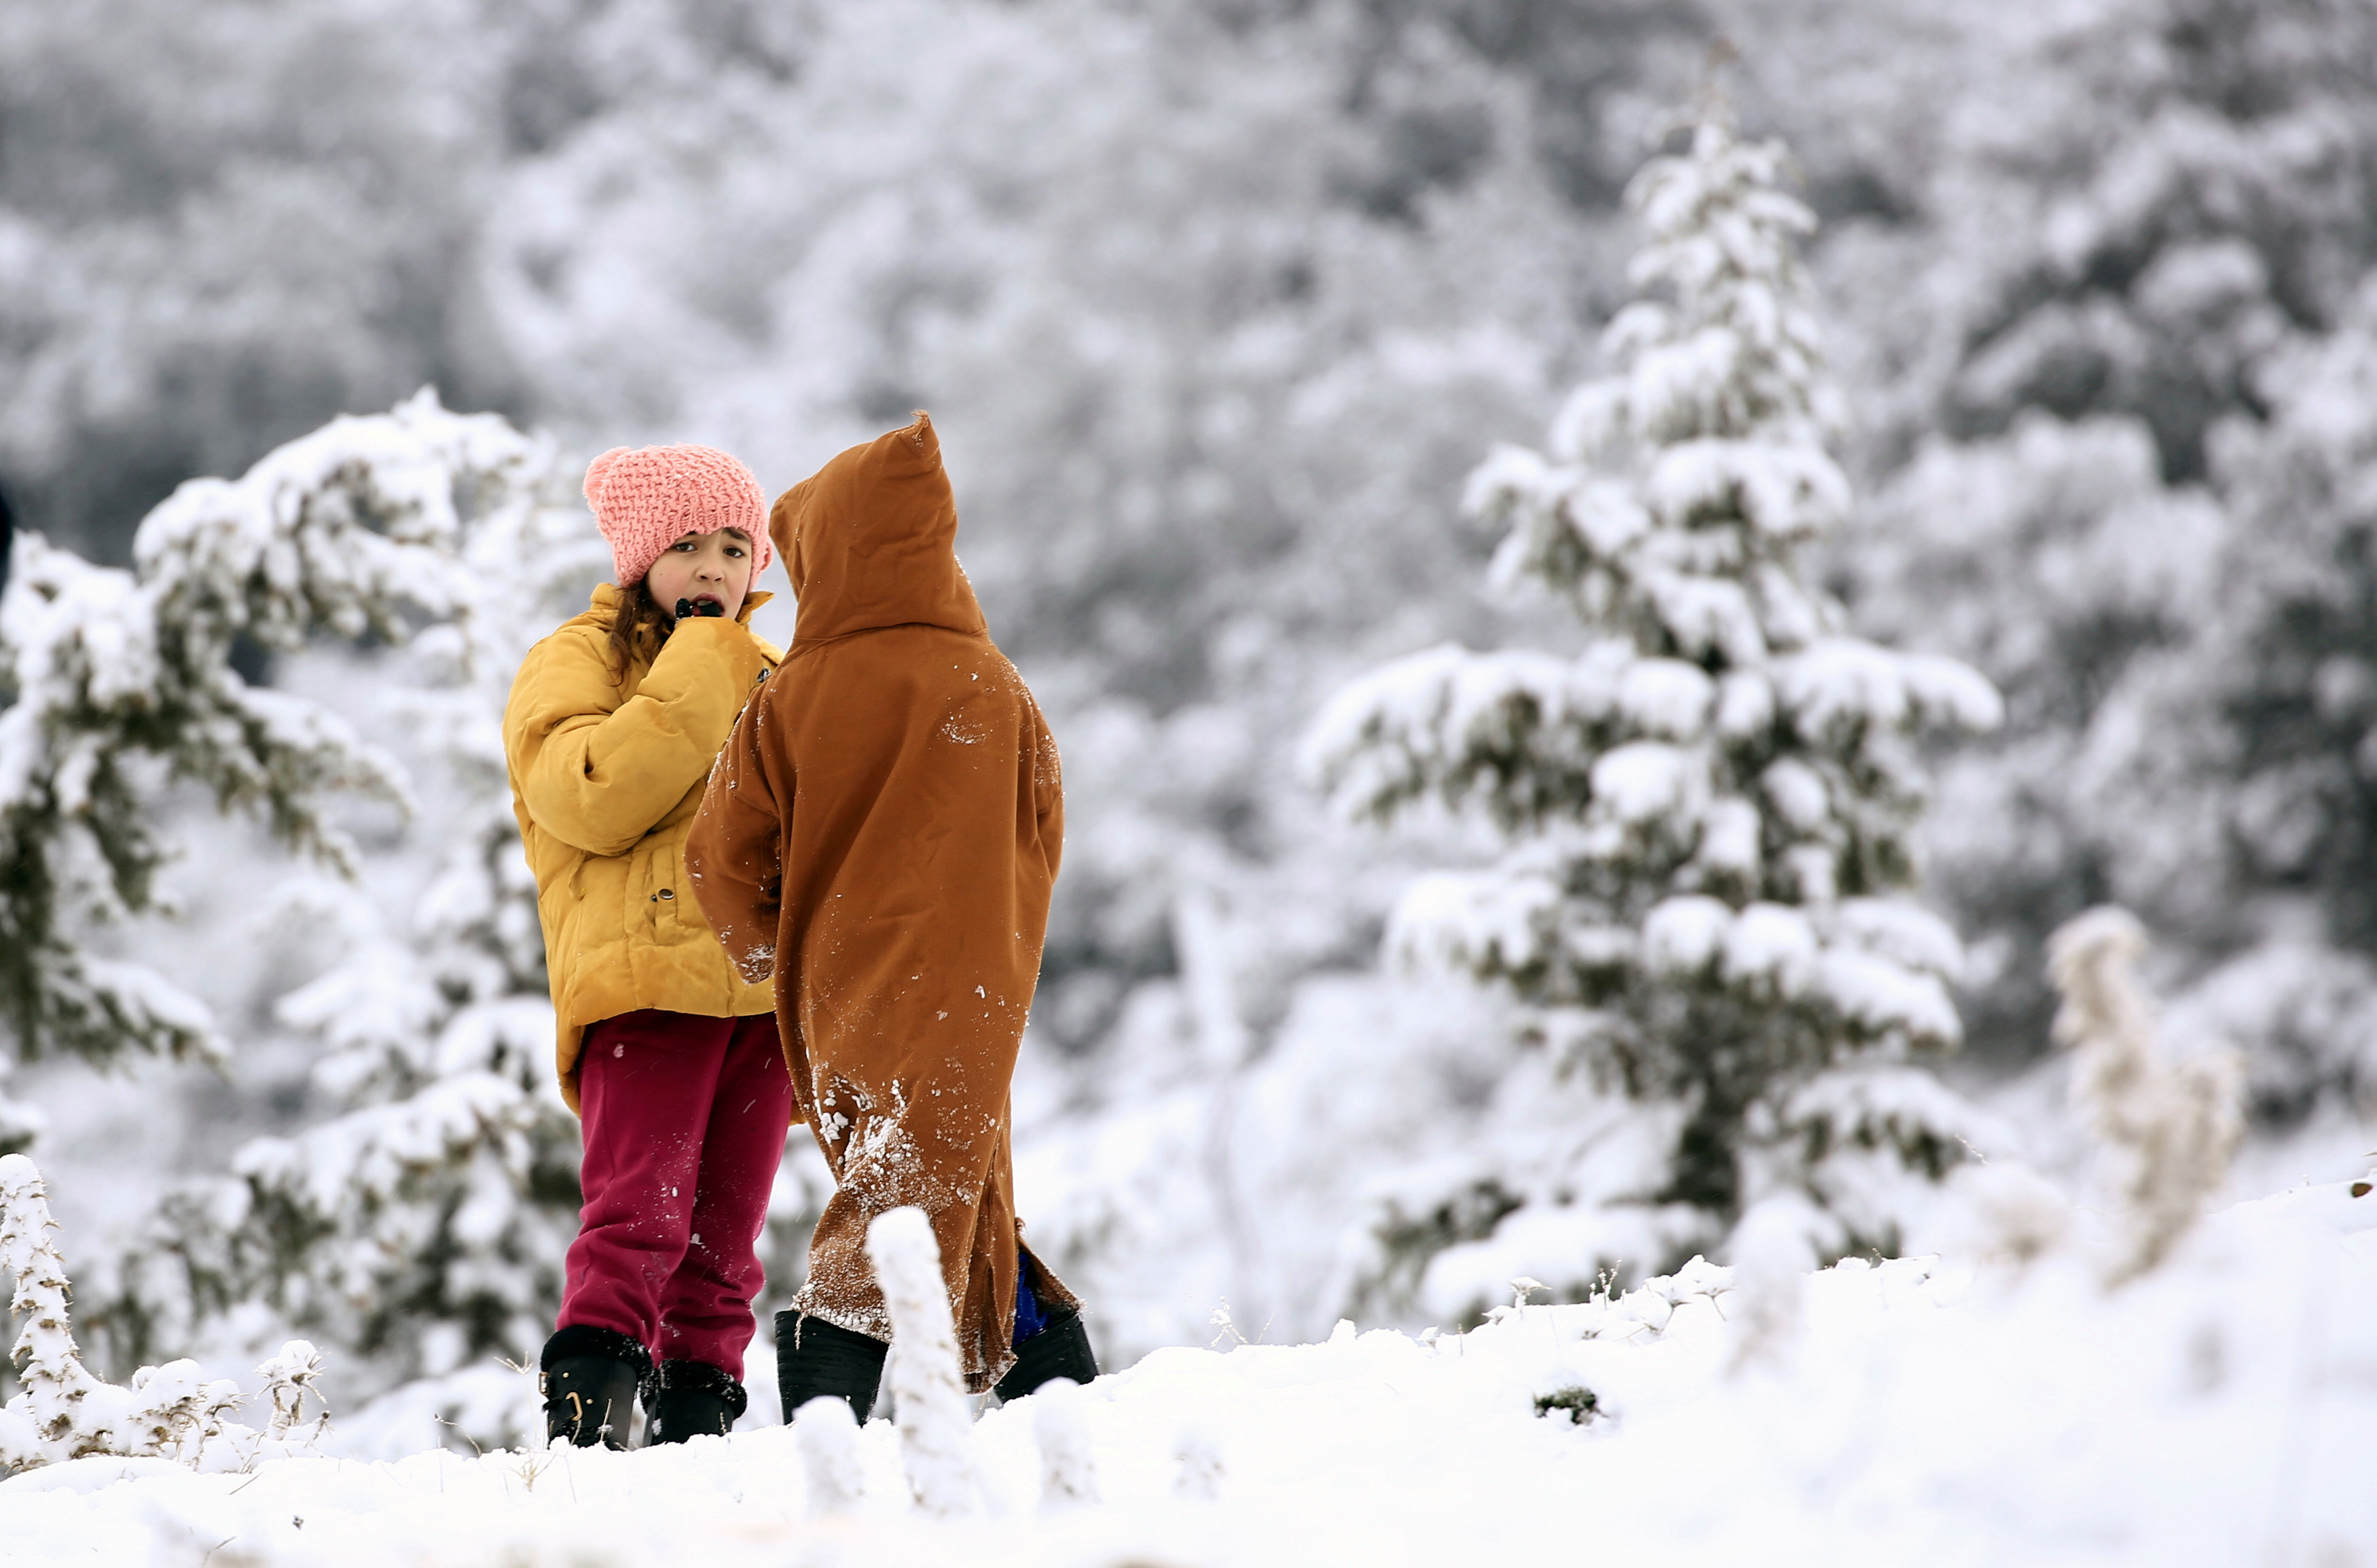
606 775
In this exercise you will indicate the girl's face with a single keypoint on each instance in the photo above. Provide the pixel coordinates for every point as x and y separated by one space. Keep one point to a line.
714 566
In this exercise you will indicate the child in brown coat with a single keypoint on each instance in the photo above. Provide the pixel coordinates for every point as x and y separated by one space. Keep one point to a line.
880 835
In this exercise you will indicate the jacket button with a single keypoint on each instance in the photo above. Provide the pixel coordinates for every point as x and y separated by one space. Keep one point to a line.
666 893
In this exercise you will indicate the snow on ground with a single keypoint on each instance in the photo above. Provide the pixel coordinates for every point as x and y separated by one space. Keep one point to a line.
2218 1412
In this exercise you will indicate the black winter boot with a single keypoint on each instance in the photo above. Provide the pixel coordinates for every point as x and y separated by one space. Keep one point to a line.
692 1399
591 1378
1060 1351
815 1358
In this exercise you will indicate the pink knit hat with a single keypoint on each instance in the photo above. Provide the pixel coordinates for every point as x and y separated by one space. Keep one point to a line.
646 498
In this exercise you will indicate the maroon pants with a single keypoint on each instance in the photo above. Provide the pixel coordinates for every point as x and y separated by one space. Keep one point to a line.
685 1120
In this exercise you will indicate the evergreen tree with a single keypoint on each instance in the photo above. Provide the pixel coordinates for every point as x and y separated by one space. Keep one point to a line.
1709 812
119 677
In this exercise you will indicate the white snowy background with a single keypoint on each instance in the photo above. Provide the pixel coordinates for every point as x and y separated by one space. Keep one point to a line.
1220 305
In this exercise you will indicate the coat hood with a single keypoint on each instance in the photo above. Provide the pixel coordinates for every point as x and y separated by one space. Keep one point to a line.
870 541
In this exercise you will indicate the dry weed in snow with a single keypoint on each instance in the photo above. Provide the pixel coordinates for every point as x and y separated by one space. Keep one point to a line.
64 1412
2169 1125
290 1379
168 1412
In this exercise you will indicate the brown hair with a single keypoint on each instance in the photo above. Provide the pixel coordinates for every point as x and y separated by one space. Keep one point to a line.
638 624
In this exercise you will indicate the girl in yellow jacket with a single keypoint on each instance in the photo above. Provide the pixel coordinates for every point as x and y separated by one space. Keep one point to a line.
670 1059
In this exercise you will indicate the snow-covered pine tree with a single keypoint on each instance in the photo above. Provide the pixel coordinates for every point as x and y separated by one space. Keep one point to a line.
2261 735
120 678
1709 814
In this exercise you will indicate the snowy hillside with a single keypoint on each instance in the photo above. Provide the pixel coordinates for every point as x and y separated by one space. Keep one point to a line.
2215 1412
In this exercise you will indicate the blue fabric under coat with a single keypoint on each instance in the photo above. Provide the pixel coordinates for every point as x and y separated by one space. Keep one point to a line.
1029 1319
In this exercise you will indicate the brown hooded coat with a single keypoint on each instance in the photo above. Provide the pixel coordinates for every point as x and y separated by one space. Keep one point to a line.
881 835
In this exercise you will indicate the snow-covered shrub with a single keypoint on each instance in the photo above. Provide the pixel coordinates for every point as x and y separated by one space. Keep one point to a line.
2302 1009
173 1411
928 1392
1711 811
2169 1125
290 1380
